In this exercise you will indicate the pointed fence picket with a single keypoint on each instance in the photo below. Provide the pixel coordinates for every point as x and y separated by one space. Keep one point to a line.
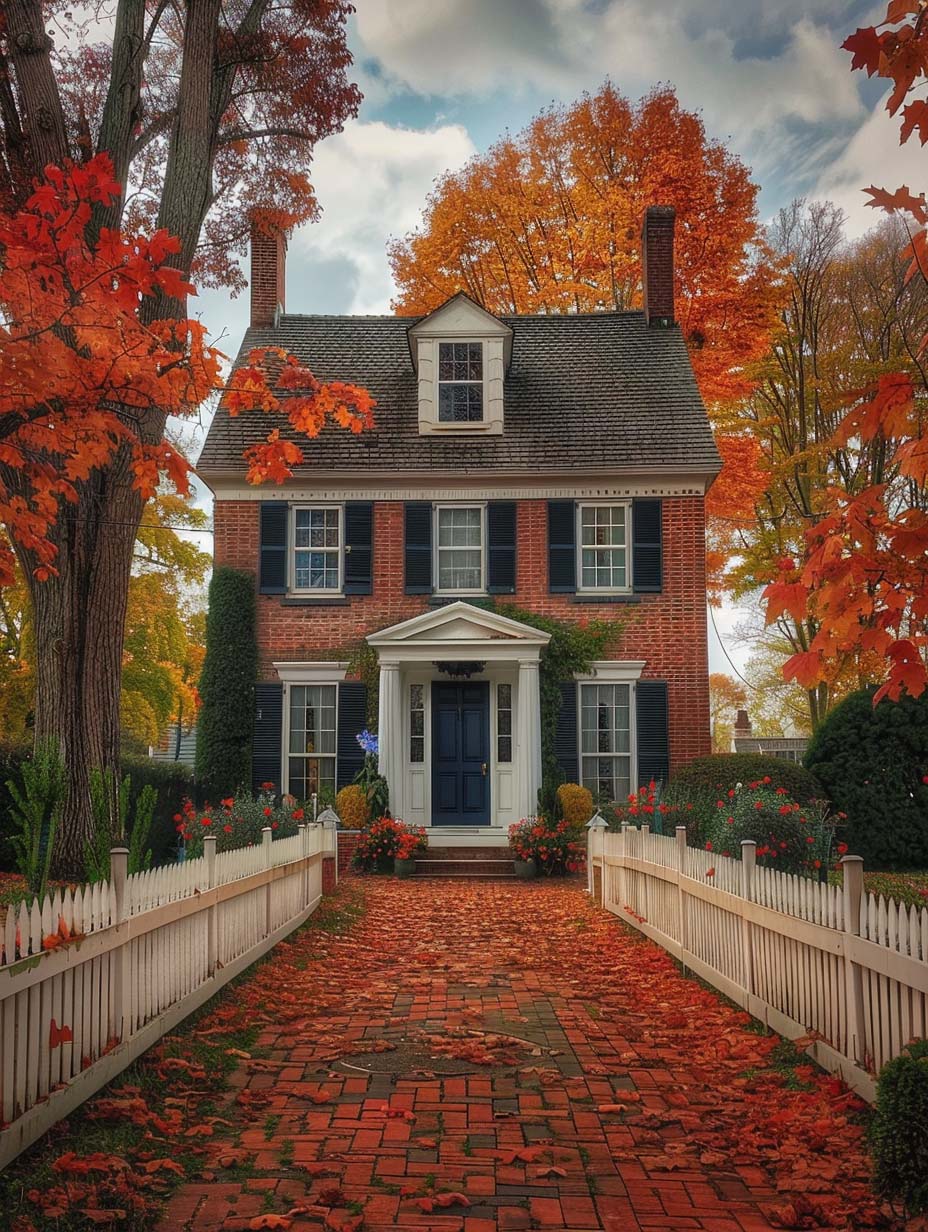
91 977
845 969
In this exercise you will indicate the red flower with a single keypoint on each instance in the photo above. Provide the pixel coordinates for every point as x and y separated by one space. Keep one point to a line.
177 817
708 846
267 786
758 804
710 872
206 821
227 803
842 849
228 829
267 812
298 814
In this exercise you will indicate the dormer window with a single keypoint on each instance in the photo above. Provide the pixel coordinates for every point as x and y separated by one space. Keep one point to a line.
460 354
460 382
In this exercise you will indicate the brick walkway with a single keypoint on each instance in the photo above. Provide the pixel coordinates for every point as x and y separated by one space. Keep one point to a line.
514 1045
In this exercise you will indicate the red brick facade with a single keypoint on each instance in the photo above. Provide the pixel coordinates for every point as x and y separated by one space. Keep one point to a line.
667 630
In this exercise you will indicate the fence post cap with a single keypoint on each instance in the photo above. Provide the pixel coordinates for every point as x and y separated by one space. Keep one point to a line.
119 851
680 830
748 842
209 838
852 859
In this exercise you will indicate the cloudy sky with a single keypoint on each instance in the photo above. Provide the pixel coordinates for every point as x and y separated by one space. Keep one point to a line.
443 79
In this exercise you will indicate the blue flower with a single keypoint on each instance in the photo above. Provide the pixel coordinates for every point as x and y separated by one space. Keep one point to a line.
368 742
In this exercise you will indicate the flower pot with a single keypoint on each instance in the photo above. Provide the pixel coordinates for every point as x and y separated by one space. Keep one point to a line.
404 868
525 869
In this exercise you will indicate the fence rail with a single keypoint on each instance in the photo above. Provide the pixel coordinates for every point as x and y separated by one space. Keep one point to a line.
92 978
806 958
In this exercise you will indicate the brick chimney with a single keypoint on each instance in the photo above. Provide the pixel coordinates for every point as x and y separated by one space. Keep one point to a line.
742 724
268 273
657 264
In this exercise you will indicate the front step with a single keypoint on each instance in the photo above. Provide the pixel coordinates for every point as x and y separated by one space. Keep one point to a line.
440 862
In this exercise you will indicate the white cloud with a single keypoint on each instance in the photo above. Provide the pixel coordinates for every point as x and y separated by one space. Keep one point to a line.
873 156
372 181
748 76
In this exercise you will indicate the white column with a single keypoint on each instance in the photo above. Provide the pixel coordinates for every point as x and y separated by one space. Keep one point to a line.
390 735
528 736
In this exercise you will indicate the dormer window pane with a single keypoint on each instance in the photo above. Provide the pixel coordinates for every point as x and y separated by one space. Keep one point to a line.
460 382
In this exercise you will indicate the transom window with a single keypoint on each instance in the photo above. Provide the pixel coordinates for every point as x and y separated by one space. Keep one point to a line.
605 740
603 547
460 382
311 752
317 544
459 555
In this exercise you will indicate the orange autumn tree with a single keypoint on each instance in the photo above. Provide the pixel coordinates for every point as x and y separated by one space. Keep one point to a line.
210 112
79 368
863 574
549 221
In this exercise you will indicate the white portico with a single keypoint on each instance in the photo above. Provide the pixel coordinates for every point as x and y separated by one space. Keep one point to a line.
460 718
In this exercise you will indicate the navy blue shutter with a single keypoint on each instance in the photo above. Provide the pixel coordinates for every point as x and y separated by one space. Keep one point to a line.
651 723
418 547
352 720
565 737
268 738
272 569
359 547
562 547
647 552
501 547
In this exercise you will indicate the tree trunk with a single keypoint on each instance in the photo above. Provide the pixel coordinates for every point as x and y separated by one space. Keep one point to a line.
79 618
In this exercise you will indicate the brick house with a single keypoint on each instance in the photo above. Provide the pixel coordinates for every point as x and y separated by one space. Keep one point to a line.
558 464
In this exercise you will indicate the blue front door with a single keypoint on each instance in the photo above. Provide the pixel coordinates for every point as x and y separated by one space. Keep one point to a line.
461 754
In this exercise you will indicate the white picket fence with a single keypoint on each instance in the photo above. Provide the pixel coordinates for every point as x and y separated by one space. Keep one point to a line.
806 958
144 952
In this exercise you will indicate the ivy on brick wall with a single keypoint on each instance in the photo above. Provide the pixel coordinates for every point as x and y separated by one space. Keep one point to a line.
571 652
364 665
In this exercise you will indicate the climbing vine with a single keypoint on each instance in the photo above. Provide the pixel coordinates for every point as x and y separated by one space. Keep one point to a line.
364 665
571 652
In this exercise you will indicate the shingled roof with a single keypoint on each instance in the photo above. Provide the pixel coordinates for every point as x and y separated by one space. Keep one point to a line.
599 392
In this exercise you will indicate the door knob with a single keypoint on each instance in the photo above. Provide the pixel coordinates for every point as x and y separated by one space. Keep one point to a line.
483 769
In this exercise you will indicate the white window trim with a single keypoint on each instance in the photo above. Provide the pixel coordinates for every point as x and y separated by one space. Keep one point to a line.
481 505
323 672
629 581
308 591
331 680
606 677
457 425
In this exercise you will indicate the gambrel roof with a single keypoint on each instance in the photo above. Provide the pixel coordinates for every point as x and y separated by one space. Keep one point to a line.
592 393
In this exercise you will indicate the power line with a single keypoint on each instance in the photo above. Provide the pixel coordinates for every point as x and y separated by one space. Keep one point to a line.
743 679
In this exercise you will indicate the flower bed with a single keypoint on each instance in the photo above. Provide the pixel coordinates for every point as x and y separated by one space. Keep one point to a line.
238 820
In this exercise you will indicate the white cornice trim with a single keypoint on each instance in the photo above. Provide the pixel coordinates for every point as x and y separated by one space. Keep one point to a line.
319 672
465 487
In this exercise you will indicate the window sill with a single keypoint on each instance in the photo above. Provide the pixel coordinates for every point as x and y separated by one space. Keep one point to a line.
605 598
314 601
479 598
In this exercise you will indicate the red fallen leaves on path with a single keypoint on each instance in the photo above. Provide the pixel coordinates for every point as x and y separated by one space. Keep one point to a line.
719 1103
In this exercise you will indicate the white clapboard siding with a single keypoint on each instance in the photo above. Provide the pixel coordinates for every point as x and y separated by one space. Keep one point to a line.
809 959
134 956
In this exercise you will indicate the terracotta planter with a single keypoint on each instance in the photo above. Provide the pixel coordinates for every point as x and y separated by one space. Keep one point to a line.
526 869
404 868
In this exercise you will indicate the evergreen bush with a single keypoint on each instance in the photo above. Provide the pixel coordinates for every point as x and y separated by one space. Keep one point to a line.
899 1130
873 764
225 723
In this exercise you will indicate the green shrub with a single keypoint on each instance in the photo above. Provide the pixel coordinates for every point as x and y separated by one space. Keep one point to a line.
225 723
35 806
172 781
899 1130
238 821
12 757
790 837
872 762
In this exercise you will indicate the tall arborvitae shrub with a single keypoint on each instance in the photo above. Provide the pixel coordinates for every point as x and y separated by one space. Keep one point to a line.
873 764
225 723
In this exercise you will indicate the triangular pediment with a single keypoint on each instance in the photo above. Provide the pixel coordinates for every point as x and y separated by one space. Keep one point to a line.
459 623
461 315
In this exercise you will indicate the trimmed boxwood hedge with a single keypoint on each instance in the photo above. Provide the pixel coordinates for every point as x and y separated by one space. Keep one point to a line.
721 771
872 762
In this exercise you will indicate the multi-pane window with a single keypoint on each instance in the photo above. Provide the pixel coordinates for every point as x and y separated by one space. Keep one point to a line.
460 548
460 382
311 754
316 548
504 722
603 547
417 723
605 739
